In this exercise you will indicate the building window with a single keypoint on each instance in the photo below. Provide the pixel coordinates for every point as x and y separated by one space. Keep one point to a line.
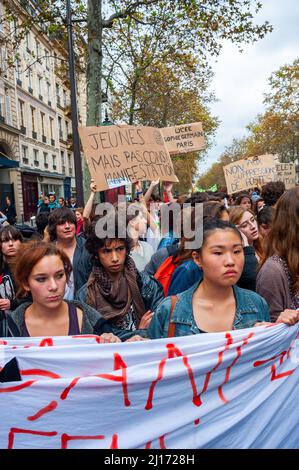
46 164
51 120
40 88
69 156
36 157
47 59
30 83
32 118
57 95
60 128
3 62
37 49
8 108
1 17
54 162
22 113
2 106
42 120
64 98
27 39
18 70
67 129
13 26
25 158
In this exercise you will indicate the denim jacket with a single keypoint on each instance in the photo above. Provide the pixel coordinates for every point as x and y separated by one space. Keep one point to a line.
250 309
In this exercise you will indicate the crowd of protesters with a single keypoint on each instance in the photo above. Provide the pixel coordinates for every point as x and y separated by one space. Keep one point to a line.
237 265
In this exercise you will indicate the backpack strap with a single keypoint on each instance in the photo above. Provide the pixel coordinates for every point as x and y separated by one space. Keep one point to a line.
171 327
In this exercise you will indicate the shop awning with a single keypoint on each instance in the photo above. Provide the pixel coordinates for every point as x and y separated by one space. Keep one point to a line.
6 162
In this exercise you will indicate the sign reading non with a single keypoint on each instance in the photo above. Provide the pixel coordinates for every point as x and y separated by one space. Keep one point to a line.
286 172
183 139
119 155
247 173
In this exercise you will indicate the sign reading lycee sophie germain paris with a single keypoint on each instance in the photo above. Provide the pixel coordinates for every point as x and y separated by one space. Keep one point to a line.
184 138
118 155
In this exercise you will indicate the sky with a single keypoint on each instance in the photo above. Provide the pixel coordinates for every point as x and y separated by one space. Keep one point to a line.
241 78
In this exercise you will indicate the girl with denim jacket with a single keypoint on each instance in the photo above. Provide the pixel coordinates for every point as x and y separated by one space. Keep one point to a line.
215 304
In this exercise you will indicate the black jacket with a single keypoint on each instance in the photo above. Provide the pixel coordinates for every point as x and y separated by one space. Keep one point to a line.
81 264
10 213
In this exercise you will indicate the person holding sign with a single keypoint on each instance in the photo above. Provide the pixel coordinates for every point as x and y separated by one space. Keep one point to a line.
43 271
214 304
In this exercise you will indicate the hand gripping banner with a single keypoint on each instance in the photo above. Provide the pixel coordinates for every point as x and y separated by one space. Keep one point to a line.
225 390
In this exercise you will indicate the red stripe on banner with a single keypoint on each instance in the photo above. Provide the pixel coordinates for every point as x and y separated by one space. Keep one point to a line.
47 409
197 422
229 342
65 439
260 363
162 442
46 342
2 342
73 383
43 373
172 352
119 364
239 353
16 388
275 376
14 431
114 442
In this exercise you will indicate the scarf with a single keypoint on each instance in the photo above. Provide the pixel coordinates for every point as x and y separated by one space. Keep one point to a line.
294 295
114 298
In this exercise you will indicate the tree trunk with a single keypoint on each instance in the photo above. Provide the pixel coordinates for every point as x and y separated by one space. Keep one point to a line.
93 75
94 63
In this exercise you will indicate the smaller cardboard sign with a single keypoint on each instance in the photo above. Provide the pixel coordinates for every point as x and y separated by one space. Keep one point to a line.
119 155
247 173
183 139
286 172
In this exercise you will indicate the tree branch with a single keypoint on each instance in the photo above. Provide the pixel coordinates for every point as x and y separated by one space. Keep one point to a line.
126 12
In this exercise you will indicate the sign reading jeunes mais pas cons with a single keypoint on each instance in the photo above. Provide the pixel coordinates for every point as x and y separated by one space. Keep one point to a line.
119 155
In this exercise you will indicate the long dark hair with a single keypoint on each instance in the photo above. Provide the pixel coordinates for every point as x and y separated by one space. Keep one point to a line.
283 239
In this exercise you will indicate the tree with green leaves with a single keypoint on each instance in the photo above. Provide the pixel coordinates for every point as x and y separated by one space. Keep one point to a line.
274 131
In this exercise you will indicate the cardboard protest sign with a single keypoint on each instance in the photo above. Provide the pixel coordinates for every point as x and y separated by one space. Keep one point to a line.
247 173
119 155
183 139
286 172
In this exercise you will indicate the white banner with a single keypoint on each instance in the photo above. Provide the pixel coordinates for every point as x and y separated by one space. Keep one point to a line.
225 390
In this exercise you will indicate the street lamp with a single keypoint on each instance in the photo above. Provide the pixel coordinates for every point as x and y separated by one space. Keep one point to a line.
74 109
